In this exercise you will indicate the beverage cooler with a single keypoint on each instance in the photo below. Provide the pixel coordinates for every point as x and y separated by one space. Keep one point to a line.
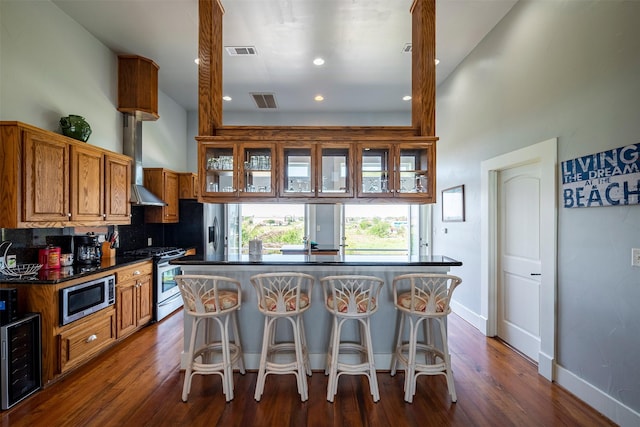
21 364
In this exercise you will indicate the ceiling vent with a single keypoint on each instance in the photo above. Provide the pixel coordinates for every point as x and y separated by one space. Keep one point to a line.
264 100
407 48
241 50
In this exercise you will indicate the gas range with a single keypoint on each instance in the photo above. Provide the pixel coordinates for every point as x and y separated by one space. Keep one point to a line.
158 252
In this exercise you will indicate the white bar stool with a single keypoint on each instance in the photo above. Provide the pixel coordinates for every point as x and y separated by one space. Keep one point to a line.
212 301
351 297
283 296
423 298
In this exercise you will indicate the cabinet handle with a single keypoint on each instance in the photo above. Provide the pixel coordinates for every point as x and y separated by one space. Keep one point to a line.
136 273
104 215
92 337
69 215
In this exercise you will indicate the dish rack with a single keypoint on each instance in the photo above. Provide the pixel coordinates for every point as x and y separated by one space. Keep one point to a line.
20 270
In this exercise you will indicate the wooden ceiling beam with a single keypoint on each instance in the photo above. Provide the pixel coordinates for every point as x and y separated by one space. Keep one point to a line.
210 67
423 23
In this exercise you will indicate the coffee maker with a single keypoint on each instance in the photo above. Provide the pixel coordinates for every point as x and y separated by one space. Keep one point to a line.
88 249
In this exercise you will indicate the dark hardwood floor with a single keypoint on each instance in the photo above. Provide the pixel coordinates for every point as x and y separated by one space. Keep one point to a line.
138 383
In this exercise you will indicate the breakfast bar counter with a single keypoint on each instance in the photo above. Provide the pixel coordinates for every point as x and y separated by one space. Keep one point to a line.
317 318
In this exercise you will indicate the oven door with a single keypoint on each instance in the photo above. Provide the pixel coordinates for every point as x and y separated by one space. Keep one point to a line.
167 294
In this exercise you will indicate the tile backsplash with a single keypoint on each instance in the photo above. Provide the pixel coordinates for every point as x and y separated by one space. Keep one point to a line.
27 241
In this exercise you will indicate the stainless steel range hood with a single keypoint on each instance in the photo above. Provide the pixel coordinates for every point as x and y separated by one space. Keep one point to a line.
132 146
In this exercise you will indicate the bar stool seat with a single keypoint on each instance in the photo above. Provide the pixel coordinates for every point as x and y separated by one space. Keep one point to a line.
212 302
422 299
355 298
283 297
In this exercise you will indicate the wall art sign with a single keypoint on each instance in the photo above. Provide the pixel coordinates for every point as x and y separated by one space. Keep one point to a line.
609 178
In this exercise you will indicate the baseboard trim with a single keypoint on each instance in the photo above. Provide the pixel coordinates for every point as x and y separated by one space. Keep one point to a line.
597 399
469 316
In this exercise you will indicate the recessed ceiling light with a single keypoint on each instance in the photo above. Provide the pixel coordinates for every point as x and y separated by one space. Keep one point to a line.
437 61
406 98
197 61
226 98
318 61
319 98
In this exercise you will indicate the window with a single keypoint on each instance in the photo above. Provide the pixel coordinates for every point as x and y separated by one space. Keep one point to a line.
275 224
363 229
376 229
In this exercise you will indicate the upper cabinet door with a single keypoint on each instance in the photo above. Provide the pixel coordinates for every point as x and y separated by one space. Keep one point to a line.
297 175
117 189
415 171
335 170
220 170
257 170
375 170
46 173
171 196
397 170
164 184
87 184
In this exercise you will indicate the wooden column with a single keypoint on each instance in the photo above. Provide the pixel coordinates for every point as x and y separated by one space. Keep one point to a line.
423 90
210 68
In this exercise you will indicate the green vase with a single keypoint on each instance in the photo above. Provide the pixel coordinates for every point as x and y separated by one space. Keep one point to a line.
75 127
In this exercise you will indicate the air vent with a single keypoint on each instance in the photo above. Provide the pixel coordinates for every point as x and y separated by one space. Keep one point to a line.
407 48
264 100
241 50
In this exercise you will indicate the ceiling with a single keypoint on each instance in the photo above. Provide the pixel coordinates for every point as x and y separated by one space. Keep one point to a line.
361 41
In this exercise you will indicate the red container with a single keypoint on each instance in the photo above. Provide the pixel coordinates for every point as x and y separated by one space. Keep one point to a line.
49 257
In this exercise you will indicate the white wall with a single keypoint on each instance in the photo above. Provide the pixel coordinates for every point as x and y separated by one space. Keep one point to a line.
273 118
566 69
51 67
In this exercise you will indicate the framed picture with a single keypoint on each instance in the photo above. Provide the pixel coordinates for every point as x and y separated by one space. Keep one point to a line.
453 204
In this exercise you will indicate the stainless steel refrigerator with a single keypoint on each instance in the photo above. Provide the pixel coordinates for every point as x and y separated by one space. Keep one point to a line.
212 228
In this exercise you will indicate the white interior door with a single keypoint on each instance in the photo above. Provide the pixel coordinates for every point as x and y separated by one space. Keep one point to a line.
519 258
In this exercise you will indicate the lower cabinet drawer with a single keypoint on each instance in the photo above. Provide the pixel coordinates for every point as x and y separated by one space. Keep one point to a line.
84 338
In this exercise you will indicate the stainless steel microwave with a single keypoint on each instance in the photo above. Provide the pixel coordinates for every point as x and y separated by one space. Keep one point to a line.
86 298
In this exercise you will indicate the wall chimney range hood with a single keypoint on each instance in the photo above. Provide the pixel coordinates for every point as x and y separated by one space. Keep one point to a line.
132 147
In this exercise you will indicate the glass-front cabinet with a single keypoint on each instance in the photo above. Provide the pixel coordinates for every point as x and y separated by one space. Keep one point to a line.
220 169
298 170
257 170
271 170
316 170
238 170
400 170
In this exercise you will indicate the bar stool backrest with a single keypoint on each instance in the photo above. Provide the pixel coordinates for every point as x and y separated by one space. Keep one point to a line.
286 293
209 295
351 295
424 294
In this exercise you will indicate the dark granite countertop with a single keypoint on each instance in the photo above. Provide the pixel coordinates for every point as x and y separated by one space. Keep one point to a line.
348 260
63 274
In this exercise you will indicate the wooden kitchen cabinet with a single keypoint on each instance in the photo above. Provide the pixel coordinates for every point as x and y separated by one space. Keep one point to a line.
81 340
87 183
117 206
69 346
138 86
100 186
164 183
402 171
55 181
133 298
239 170
316 170
256 170
327 165
45 190
188 185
